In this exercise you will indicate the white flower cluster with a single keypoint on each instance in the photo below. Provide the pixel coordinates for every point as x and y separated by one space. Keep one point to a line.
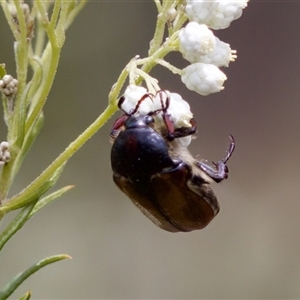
8 86
177 108
203 78
215 14
4 153
201 48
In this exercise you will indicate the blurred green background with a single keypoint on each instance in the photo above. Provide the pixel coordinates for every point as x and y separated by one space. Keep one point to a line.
250 250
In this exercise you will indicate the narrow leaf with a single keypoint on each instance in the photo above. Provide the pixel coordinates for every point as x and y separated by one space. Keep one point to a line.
27 213
26 296
15 283
28 141
16 224
20 200
17 130
49 199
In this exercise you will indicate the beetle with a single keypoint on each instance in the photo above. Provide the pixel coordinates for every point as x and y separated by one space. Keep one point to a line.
161 178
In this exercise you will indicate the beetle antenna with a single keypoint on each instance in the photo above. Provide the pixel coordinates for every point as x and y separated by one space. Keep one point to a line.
132 112
166 117
167 103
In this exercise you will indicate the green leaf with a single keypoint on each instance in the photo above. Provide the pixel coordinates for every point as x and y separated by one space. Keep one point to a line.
16 132
28 141
15 283
49 199
22 199
16 224
27 212
26 296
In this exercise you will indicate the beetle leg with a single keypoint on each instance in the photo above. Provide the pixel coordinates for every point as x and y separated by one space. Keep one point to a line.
177 163
118 126
220 172
230 149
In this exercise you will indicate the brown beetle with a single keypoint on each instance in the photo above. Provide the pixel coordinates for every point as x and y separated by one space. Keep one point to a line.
160 176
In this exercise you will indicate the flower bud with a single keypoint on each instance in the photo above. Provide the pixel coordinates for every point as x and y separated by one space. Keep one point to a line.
203 78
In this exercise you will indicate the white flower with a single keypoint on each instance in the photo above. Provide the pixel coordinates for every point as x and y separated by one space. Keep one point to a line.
226 12
215 14
198 44
196 40
172 104
133 94
203 78
200 11
220 56
178 109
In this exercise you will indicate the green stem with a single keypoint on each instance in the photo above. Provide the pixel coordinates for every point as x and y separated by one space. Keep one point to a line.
21 52
54 17
180 20
167 65
61 159
55 55
74 13
115 91
151 62
16 128
158 5
158 35
159 29
40 35
5 180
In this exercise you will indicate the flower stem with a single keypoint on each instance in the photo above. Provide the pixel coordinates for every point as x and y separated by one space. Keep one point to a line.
60 160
